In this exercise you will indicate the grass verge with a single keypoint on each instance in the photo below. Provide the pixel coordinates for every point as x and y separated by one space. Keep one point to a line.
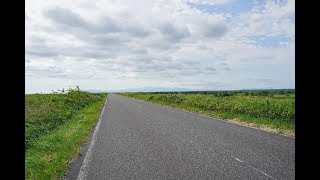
270 112
46 112
49 155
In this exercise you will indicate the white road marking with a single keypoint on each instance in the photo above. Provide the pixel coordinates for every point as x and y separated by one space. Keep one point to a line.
87 159
238 160
262 172
255 168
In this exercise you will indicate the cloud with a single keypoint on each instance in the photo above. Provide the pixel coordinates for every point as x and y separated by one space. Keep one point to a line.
270 18
216 30
65 17
211 2
123 43
265 82
26 17
174 32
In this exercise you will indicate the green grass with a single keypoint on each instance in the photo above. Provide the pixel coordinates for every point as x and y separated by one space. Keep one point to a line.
49 152
275 110
45 112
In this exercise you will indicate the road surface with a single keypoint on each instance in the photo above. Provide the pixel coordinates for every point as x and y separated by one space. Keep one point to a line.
135 139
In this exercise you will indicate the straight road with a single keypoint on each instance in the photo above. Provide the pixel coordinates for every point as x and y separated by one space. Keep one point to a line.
143 140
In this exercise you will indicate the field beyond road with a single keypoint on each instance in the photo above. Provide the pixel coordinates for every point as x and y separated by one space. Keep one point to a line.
270 110
56 126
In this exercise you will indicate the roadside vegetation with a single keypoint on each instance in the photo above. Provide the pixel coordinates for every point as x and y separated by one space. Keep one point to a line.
272 110
56 125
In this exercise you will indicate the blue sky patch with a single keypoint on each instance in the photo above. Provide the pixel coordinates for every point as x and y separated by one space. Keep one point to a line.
271 41
232 7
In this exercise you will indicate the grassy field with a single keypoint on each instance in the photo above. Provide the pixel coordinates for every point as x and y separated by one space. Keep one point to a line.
272 110
56 126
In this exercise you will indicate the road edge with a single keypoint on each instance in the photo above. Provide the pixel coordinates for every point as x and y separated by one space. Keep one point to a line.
88 156
215 118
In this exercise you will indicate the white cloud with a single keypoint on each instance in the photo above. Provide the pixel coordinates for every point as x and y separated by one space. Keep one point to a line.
98 44
212 2
269 18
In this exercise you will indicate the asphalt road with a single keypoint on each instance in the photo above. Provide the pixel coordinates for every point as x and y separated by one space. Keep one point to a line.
143 140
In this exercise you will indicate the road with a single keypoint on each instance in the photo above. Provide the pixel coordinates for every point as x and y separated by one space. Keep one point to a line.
142 140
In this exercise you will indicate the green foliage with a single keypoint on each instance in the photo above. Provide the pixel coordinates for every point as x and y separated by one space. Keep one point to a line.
49 156
270 92
274 107
46 112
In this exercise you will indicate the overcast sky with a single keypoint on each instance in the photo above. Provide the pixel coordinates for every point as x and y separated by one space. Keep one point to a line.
196 44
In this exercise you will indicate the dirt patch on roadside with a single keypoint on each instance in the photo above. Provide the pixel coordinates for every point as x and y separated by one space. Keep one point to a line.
262 127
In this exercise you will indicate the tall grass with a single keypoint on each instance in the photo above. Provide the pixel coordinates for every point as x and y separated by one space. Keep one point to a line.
56 127
46 112
51 153
276 109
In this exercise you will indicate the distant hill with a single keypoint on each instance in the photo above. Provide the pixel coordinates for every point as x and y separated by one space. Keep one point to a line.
168 89
95 90
155 89
144 89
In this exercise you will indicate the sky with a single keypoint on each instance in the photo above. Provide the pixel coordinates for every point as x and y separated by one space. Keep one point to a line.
193 44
